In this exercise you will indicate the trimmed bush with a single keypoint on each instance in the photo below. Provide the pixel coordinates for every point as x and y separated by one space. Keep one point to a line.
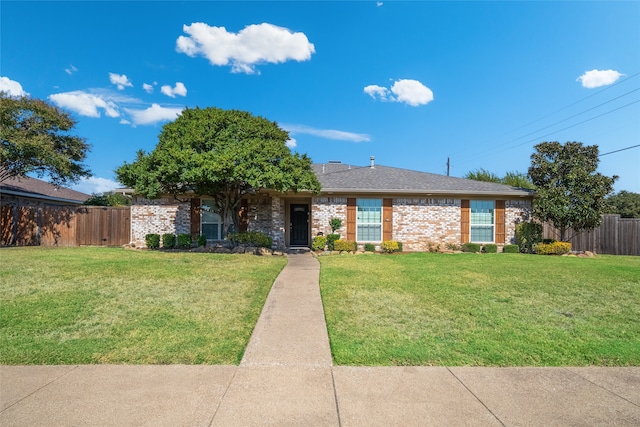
471 247
490 248
335 224
184 240
510 249
369 247
331 238
168 240
254 238
202 240
399 246
152 240
319 242
528 234
390 246
555 248
344 245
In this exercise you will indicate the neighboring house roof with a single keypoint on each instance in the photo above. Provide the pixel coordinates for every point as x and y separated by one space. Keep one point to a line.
38 189
342 178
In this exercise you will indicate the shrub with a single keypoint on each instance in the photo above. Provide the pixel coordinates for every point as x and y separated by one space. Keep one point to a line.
254 238
319 242
331 238
184 240
510 249
528 234
470 247
555 248
369 247
335 224
433 247
548 241
390 246
490 248
202 240
399 246
168 240
453 246
344 245
152 240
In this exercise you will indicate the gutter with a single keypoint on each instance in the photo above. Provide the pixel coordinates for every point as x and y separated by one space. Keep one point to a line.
41 197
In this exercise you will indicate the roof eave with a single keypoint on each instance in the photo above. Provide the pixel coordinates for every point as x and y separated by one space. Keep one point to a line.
429 192
41 196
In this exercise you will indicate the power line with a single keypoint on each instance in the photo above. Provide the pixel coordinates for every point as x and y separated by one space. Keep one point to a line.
622 149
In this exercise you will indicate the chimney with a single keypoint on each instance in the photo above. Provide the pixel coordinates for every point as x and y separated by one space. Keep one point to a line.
372 158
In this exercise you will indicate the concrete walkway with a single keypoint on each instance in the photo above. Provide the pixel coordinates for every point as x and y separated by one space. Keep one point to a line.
286 379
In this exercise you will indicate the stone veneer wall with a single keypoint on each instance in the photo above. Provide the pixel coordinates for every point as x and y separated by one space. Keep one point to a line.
418 222
160 216
325 208
266 214
515 212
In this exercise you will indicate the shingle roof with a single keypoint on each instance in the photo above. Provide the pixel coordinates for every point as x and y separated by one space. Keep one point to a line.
38 189
339 177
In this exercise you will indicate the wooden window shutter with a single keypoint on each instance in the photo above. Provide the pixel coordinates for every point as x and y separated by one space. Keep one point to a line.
243 226
195 218
351 218
500 221
387 219
464 221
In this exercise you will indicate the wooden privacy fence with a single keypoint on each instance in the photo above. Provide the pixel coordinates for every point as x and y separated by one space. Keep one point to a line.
65 225
615 236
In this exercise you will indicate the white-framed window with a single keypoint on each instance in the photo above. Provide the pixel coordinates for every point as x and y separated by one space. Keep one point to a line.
482 221
210 221
369 220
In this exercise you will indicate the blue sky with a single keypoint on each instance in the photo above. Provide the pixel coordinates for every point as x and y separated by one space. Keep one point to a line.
411 83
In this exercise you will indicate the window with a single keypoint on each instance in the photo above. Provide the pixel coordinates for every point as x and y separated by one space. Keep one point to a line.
210 222
482 221
369 220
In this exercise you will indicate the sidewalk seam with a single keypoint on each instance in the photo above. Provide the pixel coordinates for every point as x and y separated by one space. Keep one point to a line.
40 388
474 395
335 396
213 417
602 387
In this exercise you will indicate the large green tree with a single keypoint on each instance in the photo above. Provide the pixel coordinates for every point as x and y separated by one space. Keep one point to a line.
36 139
569 191
625 203
224 154
514 179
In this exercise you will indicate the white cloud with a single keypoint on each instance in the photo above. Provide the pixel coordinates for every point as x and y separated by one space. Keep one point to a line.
597 78
85 104
378 4
377 91
253 45
11 87
327 133
71 69
291 143
407 91
147 87
179 89
120 80
153 114
95 185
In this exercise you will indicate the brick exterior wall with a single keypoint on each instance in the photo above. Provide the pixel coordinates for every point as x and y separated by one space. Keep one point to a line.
160 216
325 208
515 212
418 222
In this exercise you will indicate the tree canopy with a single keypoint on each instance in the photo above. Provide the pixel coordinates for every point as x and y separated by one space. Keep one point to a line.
569 191
36 139
224 154
514 179
625 203
108 199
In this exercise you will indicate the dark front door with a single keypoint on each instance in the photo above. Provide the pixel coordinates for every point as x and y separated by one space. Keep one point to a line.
299 217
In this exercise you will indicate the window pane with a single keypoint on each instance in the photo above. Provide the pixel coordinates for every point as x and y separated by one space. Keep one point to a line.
369 232
481 233
482 220
211 231
369 220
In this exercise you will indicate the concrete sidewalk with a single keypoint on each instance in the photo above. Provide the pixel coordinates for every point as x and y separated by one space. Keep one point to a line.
286 379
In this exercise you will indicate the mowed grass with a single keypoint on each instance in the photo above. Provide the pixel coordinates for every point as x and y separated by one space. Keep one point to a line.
108 305
482 309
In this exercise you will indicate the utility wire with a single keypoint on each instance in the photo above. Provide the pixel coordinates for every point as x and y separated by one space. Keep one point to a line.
622 149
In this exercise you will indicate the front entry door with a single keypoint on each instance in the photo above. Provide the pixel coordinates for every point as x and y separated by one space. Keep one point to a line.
299 217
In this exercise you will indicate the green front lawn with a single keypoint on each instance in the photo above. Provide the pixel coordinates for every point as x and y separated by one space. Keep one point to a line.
108 305
482 309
